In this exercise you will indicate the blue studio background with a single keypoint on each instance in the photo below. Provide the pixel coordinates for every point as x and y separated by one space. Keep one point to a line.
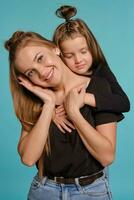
112 23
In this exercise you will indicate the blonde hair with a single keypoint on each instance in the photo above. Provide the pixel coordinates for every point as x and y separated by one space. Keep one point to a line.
27 106
72 28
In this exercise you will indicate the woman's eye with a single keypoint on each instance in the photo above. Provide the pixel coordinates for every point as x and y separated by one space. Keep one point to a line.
31 73
40 59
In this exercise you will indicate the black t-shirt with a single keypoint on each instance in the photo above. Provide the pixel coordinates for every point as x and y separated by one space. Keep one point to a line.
69 157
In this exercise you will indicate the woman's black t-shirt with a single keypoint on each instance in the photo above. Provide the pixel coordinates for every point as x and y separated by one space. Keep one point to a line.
69 157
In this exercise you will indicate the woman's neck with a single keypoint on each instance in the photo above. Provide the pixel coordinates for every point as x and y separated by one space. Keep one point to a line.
73 80
70 80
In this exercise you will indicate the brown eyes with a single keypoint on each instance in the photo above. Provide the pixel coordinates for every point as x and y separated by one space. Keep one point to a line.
30 73
39 59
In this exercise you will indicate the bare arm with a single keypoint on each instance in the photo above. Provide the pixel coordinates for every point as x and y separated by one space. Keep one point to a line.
100 142
32 143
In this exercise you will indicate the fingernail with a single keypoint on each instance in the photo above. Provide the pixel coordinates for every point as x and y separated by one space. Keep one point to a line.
19 80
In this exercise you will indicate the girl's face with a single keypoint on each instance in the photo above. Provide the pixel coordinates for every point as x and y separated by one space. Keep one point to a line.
40 65
76 54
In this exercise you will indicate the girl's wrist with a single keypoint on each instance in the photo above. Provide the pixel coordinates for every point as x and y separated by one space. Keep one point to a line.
90 99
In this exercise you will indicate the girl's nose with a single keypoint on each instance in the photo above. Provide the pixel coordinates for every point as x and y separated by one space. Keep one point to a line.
77 59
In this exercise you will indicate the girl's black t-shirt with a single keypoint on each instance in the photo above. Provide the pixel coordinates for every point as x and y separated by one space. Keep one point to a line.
69 157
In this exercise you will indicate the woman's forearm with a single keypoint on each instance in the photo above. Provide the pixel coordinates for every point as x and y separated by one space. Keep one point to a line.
32 144
97 144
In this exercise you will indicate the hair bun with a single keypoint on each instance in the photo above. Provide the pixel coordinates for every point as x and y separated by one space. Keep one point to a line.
15 37
66 12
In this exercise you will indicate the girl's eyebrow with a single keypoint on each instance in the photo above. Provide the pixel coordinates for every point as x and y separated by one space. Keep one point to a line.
84 47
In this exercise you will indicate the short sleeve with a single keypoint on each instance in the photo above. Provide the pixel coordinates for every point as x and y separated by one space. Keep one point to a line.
107 117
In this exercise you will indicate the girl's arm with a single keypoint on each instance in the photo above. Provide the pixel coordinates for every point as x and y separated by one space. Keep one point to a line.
116 100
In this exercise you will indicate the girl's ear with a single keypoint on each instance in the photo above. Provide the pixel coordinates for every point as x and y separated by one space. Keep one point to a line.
57 51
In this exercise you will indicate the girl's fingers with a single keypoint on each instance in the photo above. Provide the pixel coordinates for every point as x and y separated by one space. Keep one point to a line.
69 124
61 114
59 109
61 106
81 87
65 127
61 129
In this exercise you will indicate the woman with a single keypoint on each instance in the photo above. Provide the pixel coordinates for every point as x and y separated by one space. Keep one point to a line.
70 165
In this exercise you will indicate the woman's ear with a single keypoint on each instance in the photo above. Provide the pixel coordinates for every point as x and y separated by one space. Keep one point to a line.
57 51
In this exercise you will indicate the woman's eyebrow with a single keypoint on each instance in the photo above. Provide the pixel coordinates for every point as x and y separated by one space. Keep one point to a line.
36 56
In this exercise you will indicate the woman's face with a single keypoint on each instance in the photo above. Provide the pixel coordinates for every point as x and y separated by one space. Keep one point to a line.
76 54
40 65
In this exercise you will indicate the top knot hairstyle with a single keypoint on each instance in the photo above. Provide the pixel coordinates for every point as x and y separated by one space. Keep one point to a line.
73 28
20 39
18 35
66 12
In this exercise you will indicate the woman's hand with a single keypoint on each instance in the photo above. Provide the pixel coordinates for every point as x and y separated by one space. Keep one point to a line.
61 121
46 95
75 100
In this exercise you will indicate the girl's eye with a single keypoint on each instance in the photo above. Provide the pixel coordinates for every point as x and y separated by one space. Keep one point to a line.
68 56
83 52
31 73
40 59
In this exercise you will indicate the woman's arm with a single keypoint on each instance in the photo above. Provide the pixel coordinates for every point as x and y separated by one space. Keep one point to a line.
116 100
100 142
32 143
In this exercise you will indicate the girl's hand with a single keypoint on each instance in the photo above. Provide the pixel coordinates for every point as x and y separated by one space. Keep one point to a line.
75 100
61 121
46 95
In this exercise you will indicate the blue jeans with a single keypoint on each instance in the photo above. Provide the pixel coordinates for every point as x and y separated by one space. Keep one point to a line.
106 172
47 189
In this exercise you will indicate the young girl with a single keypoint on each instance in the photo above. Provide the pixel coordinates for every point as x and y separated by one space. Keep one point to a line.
82 54
70 166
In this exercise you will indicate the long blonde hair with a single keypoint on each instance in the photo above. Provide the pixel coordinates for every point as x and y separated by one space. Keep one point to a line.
72 28
27 106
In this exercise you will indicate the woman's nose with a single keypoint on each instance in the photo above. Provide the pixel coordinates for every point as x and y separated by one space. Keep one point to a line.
43 71
40 70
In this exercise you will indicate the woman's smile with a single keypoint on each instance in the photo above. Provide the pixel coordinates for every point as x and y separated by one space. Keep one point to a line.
50 74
